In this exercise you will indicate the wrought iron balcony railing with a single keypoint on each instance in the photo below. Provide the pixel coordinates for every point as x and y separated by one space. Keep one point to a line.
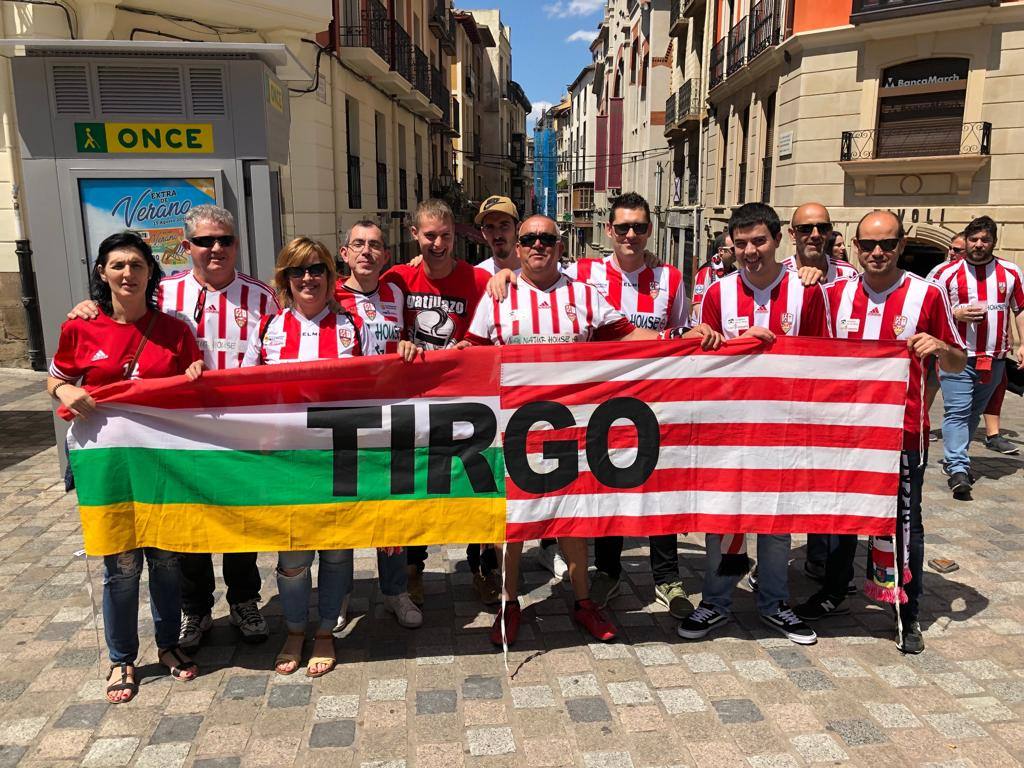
716 63
421 71
441 97
676 20
402 60
372 31
688 101
876 10
933 138
737 47
765 27
671 118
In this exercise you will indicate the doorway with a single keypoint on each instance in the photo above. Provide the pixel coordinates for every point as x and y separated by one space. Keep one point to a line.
921 258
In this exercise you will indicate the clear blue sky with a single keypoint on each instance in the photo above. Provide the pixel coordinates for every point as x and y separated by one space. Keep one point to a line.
550 42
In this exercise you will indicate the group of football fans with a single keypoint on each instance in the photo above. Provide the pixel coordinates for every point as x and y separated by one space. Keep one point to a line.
214 317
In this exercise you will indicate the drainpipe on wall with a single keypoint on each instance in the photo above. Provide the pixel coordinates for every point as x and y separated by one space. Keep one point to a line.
29 295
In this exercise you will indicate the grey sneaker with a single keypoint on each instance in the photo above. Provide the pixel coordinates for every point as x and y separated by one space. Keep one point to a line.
250 622
193 627
342 623
912 641
405 610
1000 444
603 587
673 596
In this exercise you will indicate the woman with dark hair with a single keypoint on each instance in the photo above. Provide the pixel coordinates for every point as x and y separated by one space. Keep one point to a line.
835 246
131 339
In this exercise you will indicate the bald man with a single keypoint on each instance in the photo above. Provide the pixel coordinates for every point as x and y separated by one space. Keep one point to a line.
809 227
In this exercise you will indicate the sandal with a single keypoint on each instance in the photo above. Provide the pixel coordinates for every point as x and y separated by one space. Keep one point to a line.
284 657
123 685
314 661
181 666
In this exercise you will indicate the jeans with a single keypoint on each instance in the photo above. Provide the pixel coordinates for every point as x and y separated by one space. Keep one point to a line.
334 581
608 555
392 573
965 398
121 574
839 568
819 545
772 573
417 556
241 576
664 558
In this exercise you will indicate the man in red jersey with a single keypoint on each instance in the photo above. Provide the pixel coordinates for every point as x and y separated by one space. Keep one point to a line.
809 227
762 299
545 307
986 293
722 262
652 298
441 295
223 308
888 304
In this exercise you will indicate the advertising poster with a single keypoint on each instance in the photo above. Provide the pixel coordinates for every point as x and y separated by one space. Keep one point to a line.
155 208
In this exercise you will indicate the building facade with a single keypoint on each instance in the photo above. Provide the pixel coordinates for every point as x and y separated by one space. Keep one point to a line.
581 156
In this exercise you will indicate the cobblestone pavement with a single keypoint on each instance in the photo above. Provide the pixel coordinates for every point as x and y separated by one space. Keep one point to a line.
440 697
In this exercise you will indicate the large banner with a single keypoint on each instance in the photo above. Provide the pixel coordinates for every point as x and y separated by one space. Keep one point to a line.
496 444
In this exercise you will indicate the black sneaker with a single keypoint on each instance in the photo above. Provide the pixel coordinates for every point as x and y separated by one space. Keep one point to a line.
752 579
819 606
943 467
787 623
1000 444
704 618
912 641
959 483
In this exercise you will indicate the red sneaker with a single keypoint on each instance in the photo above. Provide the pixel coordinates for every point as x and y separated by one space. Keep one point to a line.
511 615
592 618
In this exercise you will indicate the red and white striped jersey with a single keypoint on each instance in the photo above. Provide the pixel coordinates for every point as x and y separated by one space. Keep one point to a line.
912 305
291 338
706 276
939 267
837 270
228 318
999 286
568 311
378 315
652 298
732 306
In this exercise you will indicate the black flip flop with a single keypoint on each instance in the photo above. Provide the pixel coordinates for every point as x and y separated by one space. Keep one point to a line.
124 685
182 666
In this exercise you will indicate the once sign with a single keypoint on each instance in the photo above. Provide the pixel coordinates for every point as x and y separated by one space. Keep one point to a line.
144 138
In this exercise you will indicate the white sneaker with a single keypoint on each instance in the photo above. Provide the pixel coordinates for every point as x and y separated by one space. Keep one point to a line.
339 628
551 559
405 610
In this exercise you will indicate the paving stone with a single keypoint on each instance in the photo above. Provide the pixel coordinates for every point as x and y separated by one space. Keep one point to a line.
11 689
82 715
440 755
680 701
435 702
955 726
334 733
479 687
654 655
892 715
757 670
547 753
337 707
732 711
811 680
177 728
490 741
218 762
773 761
588 710
532 696
289 695
818 748
110 752
704 662
609 651
10 755
246 686
387 690
630 692
21 732
163 756
607 760
789 658
843 666
857 733
575 686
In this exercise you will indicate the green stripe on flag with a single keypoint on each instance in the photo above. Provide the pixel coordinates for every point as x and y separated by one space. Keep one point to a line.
244 478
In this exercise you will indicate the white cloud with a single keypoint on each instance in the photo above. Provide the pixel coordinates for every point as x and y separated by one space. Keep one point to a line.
582 36
538 108
564 8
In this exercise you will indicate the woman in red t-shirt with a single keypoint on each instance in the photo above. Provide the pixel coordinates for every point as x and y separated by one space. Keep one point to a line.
130 339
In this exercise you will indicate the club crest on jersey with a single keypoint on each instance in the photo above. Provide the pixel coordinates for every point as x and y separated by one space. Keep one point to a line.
1001 287
371 311
345 336
698 290
654 289
786 321
570 311
241 316
899 324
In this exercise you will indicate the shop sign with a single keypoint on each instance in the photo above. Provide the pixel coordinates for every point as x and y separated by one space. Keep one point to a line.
925 72
144 138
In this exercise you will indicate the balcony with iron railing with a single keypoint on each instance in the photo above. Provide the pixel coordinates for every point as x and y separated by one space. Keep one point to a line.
676 20
441 98
878 10
716 63
442 24
765 27
456 121
376 48
923 147
683 108
517 95
517 149
737 56
421 71
671 119
402 46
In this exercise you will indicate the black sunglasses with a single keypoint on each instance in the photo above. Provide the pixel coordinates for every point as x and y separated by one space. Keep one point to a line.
546 239
297 273
639 228
207 241
888 245
957 250
823 228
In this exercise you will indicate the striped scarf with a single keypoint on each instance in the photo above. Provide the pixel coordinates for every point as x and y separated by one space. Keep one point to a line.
880 583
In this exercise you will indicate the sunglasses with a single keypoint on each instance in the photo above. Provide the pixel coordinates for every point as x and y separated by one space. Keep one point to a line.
957 250
638 228
314 270
207 241
823 228
888 245
546 239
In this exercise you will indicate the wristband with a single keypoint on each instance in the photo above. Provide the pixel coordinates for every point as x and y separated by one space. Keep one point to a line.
53 392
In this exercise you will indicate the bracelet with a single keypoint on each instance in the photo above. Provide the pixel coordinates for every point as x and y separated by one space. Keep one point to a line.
53 392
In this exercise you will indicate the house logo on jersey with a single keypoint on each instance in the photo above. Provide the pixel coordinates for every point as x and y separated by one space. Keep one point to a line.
899 324
570 312
345 336
654 289
786 321
433 329
241 316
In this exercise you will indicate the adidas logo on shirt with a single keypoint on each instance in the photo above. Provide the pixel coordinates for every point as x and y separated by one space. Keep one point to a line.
544 305
762 308
100 355
874 312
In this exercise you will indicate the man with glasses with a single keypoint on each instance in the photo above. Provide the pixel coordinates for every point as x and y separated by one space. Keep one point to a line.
722 262
955 252
985 292
545 307
885 303
223 308
652 298
809 228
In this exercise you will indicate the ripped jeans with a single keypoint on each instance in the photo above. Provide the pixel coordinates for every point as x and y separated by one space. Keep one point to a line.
334 581
121 574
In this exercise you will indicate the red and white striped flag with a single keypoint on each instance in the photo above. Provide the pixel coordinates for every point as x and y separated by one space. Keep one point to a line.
648 438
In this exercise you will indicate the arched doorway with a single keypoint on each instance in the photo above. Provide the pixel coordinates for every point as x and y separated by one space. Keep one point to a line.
920 258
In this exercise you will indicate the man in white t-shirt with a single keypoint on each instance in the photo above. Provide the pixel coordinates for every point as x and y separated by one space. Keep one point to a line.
498 220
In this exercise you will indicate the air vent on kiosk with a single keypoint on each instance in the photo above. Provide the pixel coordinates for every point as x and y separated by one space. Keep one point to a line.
140 90
71 94
206 91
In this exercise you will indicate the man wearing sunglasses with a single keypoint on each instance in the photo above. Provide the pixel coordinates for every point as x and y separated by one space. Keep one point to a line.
955 252
809 228
546 307
885 303
722 262
223 308
985 292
